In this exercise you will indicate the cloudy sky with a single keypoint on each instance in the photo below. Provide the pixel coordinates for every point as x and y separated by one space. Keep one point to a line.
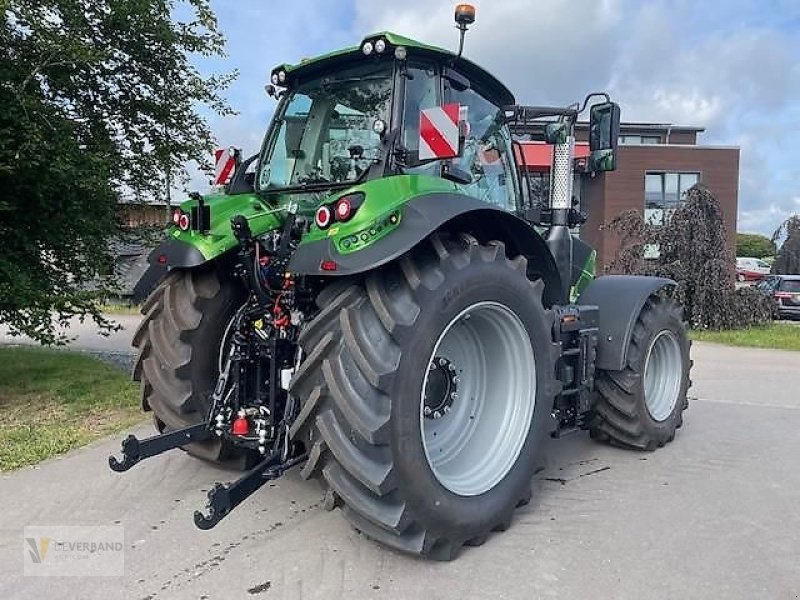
730 66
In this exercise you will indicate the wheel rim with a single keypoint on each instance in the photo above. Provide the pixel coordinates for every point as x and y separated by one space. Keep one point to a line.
663 371
478 398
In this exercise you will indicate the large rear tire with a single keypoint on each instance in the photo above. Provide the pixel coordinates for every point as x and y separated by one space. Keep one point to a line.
641 407
426 392
178 342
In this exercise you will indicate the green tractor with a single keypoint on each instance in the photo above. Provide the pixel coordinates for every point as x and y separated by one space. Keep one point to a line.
375 298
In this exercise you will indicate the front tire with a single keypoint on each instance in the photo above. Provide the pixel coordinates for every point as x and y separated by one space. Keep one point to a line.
382 360
641 407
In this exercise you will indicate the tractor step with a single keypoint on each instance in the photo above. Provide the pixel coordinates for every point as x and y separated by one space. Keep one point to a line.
134 449
222 499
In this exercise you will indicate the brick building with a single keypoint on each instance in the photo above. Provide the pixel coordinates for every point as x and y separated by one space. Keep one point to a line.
656 164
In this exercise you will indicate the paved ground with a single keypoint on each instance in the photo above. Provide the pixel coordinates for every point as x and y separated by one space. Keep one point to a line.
714 515
84 335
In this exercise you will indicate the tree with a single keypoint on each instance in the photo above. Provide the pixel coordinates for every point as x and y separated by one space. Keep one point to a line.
100 102
754 245
787 261
691 250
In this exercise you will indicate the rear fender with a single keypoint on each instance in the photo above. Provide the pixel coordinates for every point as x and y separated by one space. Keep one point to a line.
419 218
620 299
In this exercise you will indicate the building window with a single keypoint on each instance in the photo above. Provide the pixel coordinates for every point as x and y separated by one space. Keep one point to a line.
639 140
663 193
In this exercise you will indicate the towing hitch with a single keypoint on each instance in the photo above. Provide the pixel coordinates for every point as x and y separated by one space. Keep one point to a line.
222 499
134 449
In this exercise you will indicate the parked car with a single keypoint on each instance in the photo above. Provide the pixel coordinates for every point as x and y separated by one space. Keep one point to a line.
751 269
785 289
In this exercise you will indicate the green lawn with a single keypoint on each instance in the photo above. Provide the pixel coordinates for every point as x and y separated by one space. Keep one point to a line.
53 401
120 309
777 335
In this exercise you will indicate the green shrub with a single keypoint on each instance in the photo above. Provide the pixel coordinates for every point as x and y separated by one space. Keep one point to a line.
787 261
692 251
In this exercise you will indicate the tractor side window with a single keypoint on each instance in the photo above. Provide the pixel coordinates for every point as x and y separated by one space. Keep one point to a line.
420 94
486 153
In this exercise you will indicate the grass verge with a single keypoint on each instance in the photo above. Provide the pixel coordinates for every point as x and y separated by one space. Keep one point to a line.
53 401
781 336
120 309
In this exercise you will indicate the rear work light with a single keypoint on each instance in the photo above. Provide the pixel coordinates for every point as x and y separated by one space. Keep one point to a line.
343 209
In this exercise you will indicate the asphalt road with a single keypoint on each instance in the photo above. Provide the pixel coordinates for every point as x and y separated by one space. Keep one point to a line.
84 336
716 514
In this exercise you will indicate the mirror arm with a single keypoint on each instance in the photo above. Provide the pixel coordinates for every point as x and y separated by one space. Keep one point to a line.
591 95
520 112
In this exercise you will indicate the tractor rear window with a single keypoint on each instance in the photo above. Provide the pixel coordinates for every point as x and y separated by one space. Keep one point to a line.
327 132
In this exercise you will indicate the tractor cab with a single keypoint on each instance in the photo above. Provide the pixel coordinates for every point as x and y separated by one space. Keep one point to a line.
381 109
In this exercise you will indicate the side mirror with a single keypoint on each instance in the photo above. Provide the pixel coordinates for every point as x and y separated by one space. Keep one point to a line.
603 136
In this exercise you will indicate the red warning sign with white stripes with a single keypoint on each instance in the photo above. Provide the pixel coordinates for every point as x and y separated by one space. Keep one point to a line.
224 165
438 132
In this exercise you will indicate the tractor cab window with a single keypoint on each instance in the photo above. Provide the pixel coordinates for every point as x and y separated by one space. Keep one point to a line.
421 93
487 150
326 132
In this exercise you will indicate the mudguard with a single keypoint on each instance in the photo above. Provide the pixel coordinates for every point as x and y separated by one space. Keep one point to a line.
419 218
620 299
170 254
175 254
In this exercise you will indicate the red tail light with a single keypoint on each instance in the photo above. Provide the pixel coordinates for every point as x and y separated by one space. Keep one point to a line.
183 222
323 217
328 265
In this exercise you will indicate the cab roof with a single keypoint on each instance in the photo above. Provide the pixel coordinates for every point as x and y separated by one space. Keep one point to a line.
488 83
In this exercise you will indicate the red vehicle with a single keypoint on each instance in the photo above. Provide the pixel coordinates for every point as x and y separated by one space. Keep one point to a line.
751 269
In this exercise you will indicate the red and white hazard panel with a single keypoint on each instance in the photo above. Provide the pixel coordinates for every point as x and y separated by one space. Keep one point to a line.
438 131
224 164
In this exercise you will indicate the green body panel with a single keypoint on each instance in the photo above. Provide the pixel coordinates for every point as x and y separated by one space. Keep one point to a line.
261 216
383 197
380 213
587 275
